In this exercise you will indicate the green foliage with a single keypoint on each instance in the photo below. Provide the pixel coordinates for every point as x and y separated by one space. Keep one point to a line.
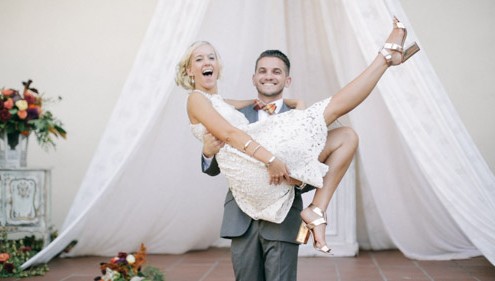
152 274
13 253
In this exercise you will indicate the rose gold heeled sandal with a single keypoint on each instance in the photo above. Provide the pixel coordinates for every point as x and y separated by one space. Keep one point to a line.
307 228
406 54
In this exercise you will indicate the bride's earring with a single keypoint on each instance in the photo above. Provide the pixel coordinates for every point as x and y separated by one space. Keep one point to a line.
192 80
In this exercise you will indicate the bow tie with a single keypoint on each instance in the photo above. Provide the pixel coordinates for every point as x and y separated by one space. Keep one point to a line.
269 108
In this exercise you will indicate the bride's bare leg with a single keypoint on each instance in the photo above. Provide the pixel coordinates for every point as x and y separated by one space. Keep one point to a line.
341 145
338 153
358 90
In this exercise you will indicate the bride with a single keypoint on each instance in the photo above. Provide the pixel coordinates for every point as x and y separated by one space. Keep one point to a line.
260 160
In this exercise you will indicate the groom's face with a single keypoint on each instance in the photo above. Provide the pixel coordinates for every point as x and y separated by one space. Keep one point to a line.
270 78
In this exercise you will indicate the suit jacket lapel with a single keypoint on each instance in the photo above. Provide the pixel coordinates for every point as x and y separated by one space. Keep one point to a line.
250 113
284 108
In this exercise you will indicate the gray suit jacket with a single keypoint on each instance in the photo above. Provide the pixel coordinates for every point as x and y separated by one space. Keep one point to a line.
235 222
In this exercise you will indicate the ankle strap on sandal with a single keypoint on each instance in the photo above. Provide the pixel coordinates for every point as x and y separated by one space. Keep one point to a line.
322 217
386 54
316 210
393 47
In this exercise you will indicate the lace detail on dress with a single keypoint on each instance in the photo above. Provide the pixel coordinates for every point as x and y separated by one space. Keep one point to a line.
296 137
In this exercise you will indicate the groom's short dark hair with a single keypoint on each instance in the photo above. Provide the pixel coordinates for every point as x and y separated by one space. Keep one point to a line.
275 54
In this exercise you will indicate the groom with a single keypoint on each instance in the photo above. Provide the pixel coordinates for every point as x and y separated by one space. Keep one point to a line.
262 250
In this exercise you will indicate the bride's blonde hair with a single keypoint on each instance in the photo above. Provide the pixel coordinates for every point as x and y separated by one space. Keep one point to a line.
181 77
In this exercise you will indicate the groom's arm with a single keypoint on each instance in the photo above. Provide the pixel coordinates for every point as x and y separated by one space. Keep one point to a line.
211 146
209 166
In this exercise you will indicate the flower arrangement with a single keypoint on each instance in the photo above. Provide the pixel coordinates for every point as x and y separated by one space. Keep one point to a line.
13 253
22 114
127 267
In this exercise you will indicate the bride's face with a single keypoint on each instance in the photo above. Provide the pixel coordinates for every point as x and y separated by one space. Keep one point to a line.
204 68
270 78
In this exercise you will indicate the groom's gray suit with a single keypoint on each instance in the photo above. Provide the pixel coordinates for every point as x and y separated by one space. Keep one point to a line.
273 256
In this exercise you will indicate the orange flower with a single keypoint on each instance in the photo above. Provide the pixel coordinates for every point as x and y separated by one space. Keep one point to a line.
22 114
9 103
8 92
4 257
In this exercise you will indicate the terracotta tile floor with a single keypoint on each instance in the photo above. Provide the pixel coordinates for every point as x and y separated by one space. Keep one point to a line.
214 265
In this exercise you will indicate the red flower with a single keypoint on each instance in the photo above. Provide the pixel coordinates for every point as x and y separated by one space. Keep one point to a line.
8 267
5 115
30 97
25 249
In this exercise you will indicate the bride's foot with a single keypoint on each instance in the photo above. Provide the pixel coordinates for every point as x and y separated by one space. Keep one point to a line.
314 221
393 51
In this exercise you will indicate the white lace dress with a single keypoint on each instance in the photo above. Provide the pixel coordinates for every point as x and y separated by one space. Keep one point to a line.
296 137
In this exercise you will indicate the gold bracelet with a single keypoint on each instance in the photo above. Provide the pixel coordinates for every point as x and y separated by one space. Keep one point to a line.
247 144
270 161
256 149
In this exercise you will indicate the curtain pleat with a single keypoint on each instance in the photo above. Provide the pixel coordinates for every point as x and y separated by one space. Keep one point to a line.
110 195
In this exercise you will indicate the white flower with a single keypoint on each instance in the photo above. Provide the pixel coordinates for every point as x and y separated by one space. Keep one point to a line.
110 275
130 259
21 104
136 278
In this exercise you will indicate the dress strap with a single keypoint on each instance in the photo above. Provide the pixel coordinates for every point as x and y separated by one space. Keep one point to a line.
204 93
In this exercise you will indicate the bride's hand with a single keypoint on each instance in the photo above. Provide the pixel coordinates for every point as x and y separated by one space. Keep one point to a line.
278 172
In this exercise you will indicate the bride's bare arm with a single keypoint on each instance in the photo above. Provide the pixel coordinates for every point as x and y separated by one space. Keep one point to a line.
200 110
238 104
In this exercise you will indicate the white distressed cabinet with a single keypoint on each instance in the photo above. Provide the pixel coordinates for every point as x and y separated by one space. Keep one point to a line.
25 205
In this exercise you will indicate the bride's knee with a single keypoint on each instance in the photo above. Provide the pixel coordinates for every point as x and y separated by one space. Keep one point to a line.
345 136
351 137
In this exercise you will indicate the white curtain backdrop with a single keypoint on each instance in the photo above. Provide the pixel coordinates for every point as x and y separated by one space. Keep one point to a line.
423 186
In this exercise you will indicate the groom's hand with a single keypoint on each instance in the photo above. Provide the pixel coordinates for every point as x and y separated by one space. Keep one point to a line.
211 145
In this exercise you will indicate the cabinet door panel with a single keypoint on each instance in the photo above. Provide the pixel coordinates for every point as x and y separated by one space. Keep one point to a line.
24 197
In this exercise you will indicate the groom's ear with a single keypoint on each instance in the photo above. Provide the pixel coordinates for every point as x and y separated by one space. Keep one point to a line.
288 80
